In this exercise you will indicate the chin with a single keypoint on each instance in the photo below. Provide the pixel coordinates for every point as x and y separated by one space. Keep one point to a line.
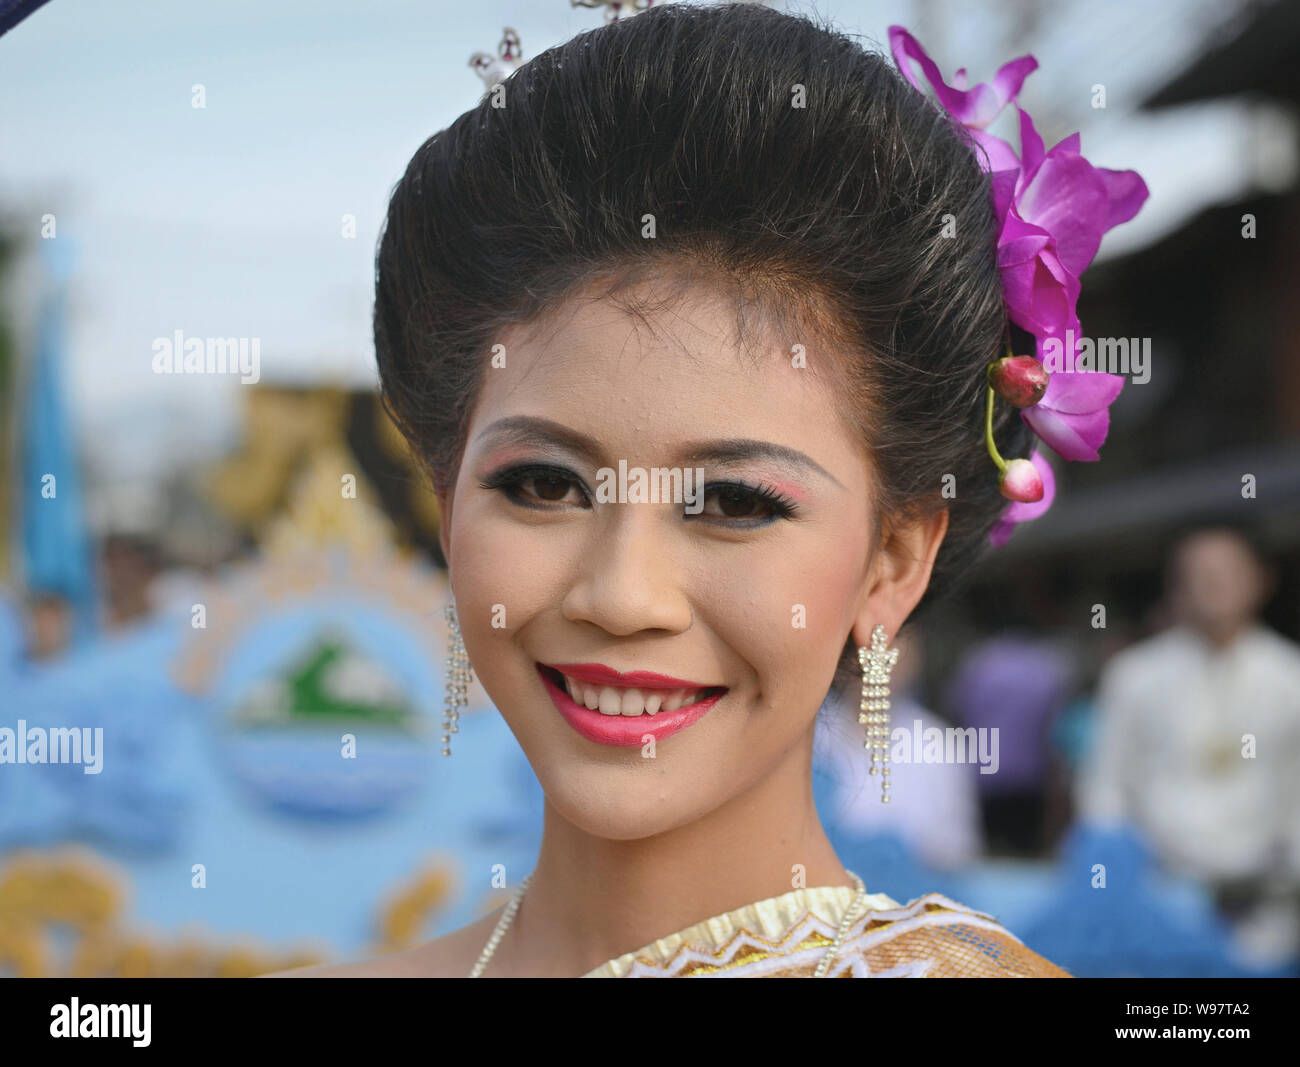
614 827
620 803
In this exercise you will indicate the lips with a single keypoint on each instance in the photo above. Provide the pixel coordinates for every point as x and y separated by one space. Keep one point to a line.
625 730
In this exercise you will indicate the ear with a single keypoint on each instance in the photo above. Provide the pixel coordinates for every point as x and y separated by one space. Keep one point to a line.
899 576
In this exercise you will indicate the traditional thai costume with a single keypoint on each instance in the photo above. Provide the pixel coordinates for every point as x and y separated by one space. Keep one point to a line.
788 936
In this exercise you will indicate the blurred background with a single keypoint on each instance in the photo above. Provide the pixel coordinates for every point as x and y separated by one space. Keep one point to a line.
227 571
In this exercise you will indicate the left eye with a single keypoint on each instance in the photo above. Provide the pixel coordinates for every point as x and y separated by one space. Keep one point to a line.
743 502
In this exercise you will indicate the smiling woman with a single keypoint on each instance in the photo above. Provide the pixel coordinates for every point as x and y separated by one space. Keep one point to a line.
713 238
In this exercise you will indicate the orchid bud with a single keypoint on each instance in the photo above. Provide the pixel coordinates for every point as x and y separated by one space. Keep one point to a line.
1019 380
1021 482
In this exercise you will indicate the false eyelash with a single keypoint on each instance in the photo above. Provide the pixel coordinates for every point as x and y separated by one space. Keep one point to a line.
781 504
509 479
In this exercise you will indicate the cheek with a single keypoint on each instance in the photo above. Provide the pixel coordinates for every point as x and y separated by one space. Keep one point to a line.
503 566
787 612
503 574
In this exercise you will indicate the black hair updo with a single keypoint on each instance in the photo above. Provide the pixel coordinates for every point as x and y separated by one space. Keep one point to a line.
862 215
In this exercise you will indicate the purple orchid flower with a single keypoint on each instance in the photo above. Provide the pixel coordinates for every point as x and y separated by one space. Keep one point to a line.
1073 415
1054 211
1053 207
974 108
1064 195
1017 513
1040 291
1053 222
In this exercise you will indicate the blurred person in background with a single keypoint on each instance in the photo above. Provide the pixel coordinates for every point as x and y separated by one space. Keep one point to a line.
1073 729
1016 683
936 809
49 624
130 566
1198 742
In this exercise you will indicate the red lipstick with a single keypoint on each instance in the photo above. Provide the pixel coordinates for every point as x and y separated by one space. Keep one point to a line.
625 731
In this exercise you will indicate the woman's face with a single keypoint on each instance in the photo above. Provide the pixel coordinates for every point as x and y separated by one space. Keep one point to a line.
721 589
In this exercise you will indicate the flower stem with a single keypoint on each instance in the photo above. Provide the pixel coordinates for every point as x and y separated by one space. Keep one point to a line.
988 434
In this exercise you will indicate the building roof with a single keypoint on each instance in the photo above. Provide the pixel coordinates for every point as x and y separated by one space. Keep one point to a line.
1259 54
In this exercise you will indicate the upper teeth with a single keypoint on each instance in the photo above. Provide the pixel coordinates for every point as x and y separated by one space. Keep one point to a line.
611 700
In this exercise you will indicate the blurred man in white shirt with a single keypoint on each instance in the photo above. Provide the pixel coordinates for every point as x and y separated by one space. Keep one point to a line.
1198 742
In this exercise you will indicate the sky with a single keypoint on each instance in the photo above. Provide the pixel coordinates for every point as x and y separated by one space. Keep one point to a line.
226 220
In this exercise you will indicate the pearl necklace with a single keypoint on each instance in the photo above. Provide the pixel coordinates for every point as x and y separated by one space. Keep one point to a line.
507 916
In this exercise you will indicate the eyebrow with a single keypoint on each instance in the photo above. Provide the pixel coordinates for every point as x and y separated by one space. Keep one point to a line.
539 432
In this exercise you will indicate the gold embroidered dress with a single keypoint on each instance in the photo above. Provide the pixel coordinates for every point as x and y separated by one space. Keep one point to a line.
787 936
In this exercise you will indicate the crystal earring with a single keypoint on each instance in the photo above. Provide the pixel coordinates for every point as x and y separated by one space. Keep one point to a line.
876 662
459 675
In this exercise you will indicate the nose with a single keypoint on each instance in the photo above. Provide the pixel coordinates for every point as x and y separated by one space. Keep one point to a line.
628 580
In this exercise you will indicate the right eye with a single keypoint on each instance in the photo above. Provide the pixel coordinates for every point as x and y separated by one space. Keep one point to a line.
537 486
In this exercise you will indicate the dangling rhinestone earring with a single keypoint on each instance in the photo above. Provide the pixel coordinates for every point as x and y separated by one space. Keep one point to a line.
876 662
459 675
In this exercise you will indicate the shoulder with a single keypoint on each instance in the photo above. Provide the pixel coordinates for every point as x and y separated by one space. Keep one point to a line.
934 936
1170 650
450 956
1268 643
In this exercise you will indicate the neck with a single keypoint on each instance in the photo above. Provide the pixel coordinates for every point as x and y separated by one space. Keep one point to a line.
592 899
1222 637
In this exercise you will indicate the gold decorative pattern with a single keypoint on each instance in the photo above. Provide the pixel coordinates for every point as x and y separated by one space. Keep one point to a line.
786 936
